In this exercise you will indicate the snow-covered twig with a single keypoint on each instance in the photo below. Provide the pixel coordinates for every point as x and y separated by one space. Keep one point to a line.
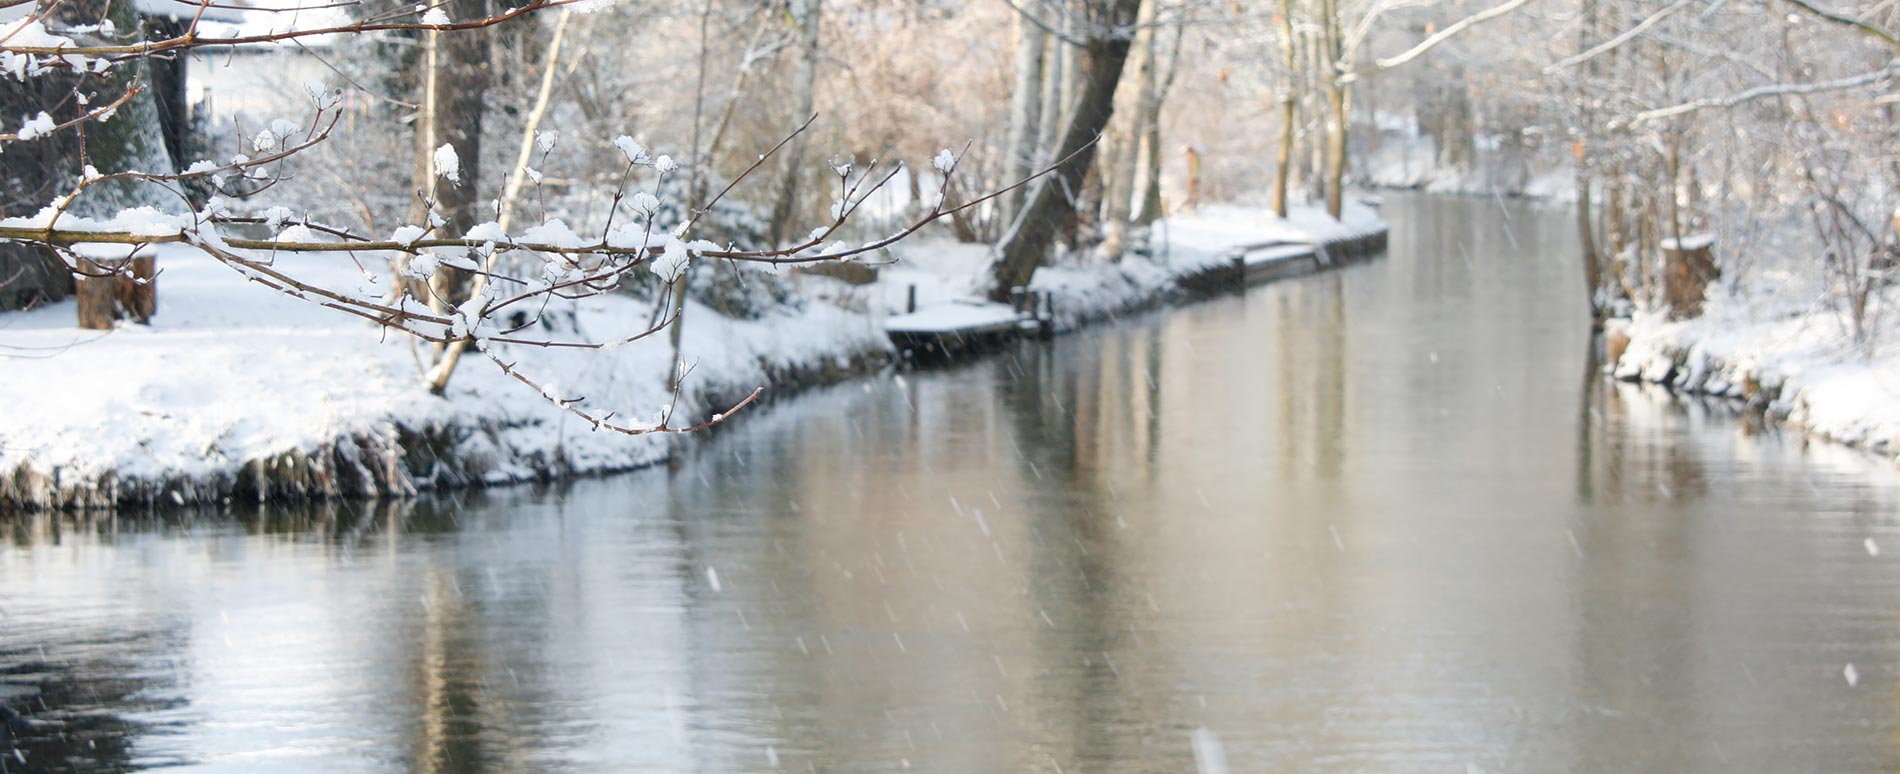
1882 75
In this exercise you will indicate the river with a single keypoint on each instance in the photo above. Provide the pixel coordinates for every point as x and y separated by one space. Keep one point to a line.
1388 518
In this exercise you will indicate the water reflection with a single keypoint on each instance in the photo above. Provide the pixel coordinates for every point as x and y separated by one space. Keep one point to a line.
1382 519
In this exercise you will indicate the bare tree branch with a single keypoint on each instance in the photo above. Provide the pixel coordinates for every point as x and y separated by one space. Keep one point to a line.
1891 38
1620 38
1881 75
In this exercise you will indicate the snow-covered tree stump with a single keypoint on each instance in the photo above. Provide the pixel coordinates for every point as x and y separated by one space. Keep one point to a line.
1688 268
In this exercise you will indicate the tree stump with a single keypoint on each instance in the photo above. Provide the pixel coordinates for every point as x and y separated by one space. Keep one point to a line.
1688 268
131 294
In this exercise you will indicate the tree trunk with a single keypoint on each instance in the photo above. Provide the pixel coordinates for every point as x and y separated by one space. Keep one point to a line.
959 221
1592 258
1061 71
454 87
1049 128
1289 109
1025 111
804 86
169 93
34 171
1331 66
1313 173
1596 259
1034 231
454 84
1152 208
1335 148
1118 179
1116 174
1283 156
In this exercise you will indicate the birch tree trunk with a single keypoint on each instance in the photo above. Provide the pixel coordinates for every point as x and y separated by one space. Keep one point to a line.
1061 77
1118 178
1152 208
1025 110
1049 128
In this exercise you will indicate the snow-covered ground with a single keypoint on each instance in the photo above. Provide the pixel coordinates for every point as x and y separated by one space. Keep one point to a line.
944 273
232 377
1798 359
231 372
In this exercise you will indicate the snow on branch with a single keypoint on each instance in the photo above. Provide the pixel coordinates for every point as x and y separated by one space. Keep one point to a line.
1450 31
28 47
1882 75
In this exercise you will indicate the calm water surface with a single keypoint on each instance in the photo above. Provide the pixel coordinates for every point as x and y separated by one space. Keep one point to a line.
1386 519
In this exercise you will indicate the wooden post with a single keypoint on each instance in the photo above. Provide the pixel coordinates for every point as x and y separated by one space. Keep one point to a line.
1688 268
911 304
1193 179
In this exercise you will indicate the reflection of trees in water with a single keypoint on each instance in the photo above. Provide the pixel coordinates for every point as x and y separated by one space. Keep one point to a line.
96 676
761 480
1091 418
1697 603
1627 655
1635 448
119 678
464 711
446 681
92 683
1309 338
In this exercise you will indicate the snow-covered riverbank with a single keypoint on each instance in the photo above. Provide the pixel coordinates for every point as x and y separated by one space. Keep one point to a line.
1794 361
1774 344
235 391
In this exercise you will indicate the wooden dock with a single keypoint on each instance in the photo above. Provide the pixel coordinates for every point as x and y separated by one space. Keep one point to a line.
1257 264
947 331
964 326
